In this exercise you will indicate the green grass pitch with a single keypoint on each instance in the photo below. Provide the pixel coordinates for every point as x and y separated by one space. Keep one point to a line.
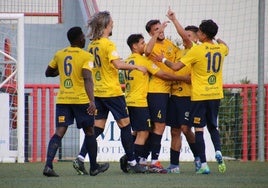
238 175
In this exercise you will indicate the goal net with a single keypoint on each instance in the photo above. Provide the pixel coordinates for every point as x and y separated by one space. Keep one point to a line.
12 87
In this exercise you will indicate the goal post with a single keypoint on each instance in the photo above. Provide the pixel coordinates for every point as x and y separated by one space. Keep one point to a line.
12 85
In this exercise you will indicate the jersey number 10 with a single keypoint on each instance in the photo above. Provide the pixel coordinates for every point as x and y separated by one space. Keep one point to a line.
214 62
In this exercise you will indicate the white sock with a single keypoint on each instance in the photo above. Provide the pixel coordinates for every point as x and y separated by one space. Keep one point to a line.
153 161
204 165
218 152
143 160
132 163
81 158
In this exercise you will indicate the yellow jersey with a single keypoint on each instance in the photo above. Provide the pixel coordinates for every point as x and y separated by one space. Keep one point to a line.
206 61
106 77
137 83
179 88
171 52
70 61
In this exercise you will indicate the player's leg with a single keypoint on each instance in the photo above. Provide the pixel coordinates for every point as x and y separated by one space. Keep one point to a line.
175 150
172 120
100 120
198 119
54 143
86 122
186 127
98 131
140 123
117 106
140 148
157 103
190 137
212 126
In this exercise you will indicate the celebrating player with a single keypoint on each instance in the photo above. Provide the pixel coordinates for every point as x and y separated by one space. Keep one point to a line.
107 90
136 93
75 99
180 102
159 89
206 60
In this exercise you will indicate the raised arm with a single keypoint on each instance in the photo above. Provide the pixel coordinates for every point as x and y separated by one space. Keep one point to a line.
180 30
218 40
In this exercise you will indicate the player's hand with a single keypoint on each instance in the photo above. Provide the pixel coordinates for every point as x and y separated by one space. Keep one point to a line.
164 25
171 14
161 28
91 108
156 57
187 79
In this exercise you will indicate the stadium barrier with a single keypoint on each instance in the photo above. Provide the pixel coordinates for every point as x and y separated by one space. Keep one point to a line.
40 126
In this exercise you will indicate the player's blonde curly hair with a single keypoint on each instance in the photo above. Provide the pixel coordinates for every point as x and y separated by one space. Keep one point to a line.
97 23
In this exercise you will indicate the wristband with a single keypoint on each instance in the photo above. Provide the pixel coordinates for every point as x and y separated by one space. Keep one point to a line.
164 60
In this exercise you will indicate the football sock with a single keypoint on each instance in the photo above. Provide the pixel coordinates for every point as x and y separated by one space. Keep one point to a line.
139 150
174 157
156 145
147 147
91 145
215 137
52 149
193 149
127 145
83 150
98 131
199 140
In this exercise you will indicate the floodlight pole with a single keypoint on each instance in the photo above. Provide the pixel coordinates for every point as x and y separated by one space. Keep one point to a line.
261 39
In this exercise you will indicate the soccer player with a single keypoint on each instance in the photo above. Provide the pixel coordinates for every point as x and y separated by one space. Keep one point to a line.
136 93
191 31
159 89
207 61
107 91
180 102
75 99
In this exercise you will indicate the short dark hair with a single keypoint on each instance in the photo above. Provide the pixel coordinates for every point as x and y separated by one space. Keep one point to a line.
209 27
192 28
150 24
133 39
74 33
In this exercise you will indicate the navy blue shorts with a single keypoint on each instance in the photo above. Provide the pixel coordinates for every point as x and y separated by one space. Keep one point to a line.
178 111
157 103
116 105
204 113
66 113
139 118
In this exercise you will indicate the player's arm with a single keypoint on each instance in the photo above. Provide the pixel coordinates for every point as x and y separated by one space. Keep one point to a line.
172 77
51 72
180 30
89 87
173 65
121 65
218 40
150 45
